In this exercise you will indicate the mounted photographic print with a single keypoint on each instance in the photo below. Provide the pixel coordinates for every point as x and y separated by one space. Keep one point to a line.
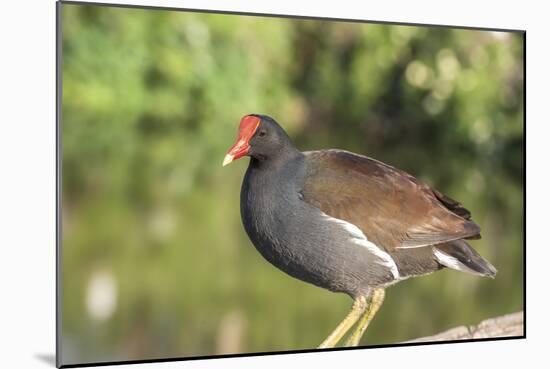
236 184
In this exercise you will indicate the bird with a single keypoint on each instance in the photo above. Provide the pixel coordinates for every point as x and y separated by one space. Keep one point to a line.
346 222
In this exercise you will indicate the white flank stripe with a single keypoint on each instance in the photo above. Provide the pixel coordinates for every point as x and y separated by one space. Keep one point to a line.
360 239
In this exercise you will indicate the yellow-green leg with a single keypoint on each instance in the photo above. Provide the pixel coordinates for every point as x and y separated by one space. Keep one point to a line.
375 302
358 308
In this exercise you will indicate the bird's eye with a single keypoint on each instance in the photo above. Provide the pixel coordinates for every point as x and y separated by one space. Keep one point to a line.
262 134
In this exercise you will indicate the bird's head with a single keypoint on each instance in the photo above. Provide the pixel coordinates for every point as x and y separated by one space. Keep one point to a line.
259 137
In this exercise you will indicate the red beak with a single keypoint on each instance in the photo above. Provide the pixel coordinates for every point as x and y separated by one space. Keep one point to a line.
248 126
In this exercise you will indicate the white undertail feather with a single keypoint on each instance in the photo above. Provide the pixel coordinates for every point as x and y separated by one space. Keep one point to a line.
451 262
359 238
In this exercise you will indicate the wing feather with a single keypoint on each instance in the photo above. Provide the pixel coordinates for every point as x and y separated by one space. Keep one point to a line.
391 207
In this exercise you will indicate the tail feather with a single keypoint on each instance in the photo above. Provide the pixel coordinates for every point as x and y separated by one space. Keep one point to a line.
460 256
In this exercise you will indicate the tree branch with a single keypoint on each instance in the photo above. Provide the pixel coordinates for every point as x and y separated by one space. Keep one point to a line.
503 326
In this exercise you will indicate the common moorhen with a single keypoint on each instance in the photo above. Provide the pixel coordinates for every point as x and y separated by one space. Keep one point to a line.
346 222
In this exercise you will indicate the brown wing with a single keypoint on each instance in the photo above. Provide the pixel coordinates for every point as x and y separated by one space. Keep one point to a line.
392 208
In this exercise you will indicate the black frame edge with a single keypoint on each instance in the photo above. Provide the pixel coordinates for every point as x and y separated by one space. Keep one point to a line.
58 157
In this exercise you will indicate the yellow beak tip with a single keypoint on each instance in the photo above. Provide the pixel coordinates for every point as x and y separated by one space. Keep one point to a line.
227 160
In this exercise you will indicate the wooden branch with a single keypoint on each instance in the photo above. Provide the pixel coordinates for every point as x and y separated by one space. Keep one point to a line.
503 326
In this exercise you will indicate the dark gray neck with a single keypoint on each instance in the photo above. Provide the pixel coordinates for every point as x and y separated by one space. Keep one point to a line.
276 161
273 181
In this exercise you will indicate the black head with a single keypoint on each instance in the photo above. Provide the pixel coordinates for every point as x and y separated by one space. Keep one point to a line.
261 138
270 139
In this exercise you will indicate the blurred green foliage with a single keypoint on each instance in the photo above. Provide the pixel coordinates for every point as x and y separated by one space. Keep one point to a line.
155 260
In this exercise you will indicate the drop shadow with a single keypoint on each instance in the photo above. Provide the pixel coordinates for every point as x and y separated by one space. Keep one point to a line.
46 358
